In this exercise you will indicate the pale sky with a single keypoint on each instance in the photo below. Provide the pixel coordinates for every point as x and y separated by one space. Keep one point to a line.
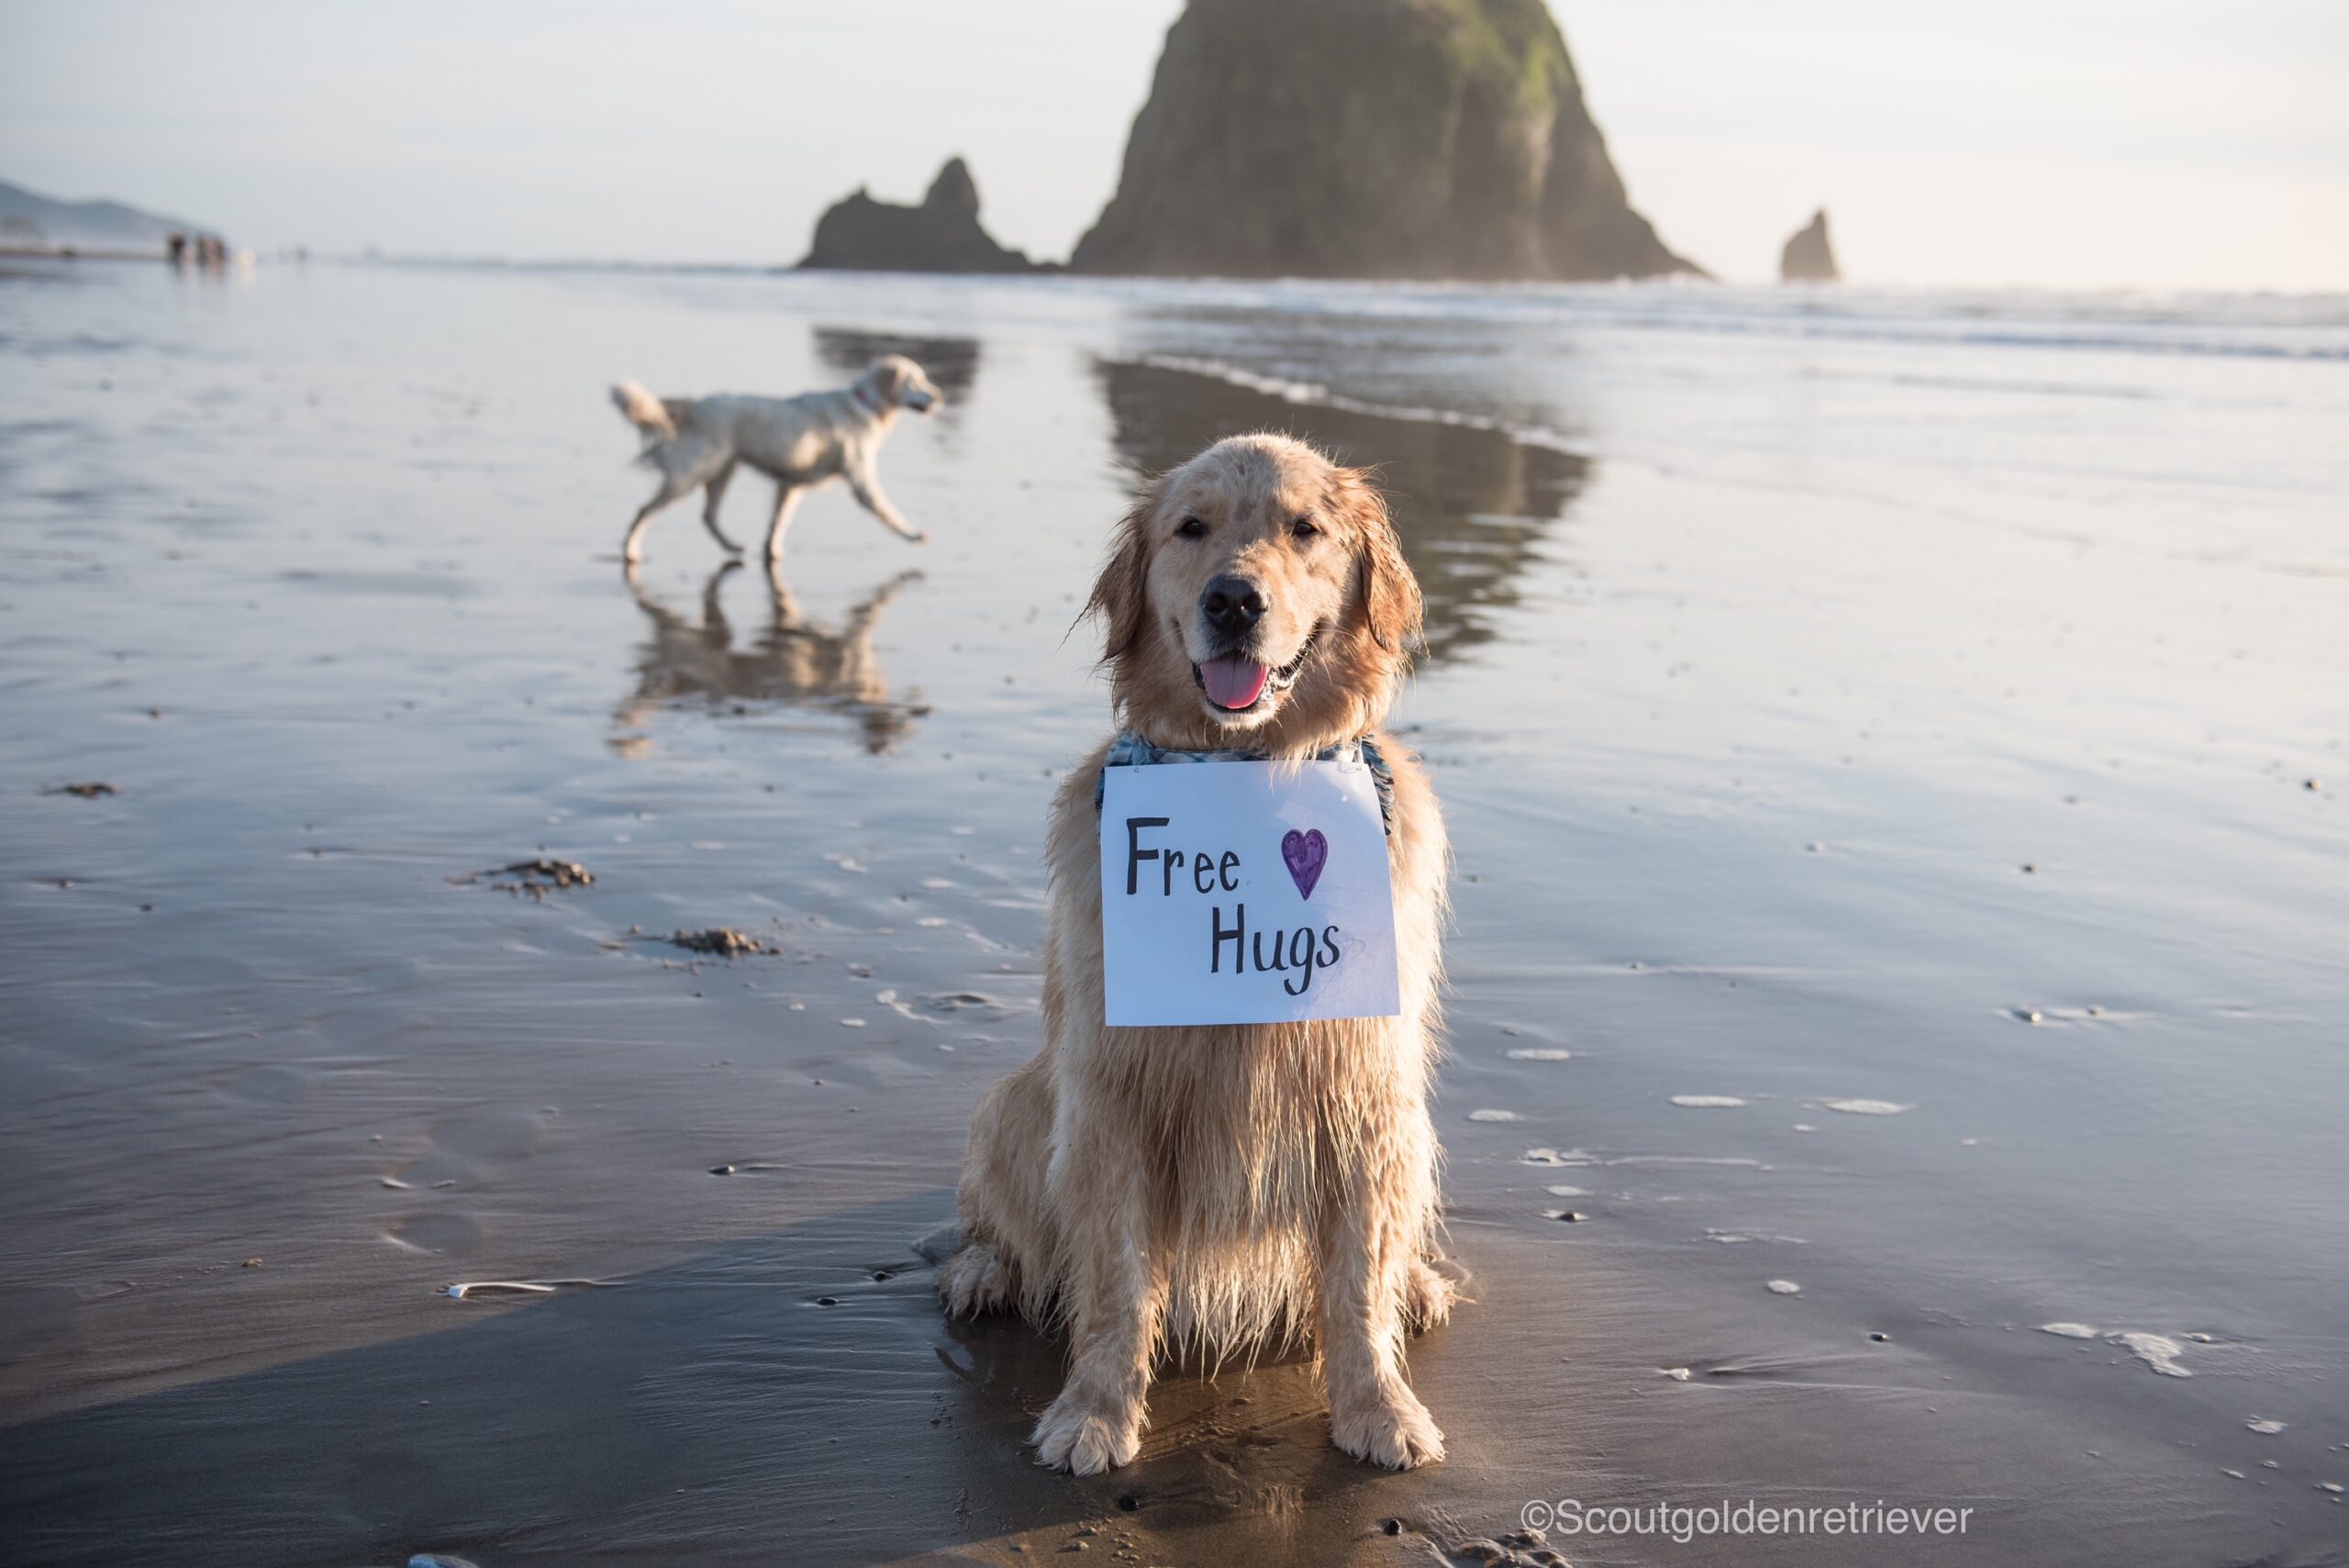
2072 143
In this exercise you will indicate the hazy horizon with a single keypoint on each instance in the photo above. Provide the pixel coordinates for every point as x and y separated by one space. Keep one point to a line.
2079 143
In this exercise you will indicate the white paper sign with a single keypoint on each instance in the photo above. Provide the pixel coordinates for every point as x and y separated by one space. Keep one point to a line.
1245 893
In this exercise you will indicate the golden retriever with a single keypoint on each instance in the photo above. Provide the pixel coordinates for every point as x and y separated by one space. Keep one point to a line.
799 442
1201 1188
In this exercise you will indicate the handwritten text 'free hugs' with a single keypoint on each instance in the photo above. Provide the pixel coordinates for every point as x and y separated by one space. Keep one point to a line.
1243 893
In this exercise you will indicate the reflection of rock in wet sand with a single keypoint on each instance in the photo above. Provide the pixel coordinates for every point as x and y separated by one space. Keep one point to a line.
952 363
1471 503
794 661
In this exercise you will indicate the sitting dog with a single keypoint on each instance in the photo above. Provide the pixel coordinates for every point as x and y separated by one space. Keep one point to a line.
799 442
1204 1187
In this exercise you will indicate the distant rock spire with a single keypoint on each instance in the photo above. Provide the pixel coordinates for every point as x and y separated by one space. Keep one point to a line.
943 235
1807 258
955 191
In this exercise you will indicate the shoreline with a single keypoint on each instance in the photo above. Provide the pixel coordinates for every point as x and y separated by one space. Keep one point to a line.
1787 767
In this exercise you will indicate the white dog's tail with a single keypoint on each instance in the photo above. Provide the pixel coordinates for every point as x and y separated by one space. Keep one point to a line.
645 411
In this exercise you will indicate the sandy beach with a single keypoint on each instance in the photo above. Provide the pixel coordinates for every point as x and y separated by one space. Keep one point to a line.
1898 1004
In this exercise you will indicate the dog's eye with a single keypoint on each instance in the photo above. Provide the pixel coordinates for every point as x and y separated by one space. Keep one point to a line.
1305 528
1191 527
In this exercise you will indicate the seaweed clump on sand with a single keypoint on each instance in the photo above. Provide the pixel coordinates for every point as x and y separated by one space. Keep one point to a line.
531 878
722 941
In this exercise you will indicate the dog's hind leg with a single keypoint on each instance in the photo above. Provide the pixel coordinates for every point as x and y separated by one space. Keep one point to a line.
786 501
1007 1242
713 492
632 547
975 1280
1428 1297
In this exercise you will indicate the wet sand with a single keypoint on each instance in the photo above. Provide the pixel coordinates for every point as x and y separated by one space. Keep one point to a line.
1891 762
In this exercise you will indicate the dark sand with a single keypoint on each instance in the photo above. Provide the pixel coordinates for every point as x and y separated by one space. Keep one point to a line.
1815 700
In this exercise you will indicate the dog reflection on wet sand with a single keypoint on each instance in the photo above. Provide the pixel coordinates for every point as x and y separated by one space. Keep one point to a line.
794 661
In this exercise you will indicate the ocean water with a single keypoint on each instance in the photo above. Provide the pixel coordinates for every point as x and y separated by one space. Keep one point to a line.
1893 745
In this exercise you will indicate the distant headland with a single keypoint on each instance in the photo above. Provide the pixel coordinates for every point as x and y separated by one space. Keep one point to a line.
33 224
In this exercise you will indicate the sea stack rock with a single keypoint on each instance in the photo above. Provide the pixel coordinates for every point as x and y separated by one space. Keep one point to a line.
943 235
1807 258
1369 138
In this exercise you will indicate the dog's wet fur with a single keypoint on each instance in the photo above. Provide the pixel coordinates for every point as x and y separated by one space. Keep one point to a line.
1217 1189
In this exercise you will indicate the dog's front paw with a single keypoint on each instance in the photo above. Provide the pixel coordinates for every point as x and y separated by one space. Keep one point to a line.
1392 1429
1085 1439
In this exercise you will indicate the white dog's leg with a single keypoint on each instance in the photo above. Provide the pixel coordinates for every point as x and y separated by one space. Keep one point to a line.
786 501
712 493
632 547
1370 1239
869 496
1119 1291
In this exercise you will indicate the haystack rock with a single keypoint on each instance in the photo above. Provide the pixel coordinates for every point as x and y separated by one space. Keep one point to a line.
1807 258
943 235
1369 138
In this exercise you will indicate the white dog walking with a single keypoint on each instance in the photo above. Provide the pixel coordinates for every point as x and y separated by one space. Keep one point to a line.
799 442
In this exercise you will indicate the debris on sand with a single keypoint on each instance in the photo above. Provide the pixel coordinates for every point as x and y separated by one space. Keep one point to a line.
721 941
95 790
468 1290
2158 1351
535 878
974 1002
562 874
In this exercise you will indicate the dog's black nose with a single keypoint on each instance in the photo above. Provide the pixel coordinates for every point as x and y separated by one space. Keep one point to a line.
1232 606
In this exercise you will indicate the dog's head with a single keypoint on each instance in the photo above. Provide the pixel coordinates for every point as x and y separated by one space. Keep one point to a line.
897 382
1257 595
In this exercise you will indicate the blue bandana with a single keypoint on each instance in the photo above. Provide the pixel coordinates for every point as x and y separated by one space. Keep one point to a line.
1130 751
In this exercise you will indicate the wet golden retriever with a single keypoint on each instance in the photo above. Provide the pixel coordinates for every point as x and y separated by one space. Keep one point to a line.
1202 1188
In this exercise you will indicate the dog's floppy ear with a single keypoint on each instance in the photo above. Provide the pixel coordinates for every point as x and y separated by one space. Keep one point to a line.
1390 594
1120 600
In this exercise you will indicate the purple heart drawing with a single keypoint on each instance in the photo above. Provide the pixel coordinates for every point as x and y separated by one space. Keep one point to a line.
1306 854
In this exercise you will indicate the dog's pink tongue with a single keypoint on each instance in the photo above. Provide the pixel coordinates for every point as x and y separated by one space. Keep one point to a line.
1233 681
